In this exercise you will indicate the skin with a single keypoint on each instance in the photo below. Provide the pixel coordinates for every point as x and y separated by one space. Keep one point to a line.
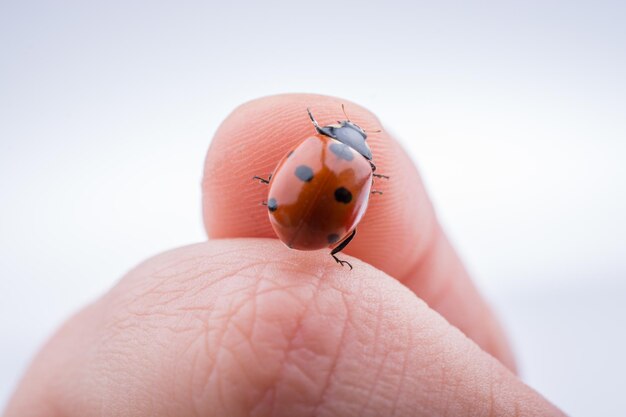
241 325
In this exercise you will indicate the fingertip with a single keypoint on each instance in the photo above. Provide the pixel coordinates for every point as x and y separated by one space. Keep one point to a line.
399 233
257 134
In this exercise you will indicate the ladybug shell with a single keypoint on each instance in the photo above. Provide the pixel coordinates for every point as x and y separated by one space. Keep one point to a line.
318 193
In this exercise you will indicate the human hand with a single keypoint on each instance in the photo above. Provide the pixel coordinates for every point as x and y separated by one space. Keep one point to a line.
240 325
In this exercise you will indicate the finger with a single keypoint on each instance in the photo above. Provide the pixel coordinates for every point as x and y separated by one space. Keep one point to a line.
399 233
248 327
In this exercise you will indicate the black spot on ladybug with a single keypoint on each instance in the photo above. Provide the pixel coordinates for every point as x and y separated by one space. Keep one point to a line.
272 205
304 172
332 238
342 151
343 195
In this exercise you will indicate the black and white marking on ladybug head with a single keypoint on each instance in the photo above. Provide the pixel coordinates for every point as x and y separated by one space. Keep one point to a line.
346 132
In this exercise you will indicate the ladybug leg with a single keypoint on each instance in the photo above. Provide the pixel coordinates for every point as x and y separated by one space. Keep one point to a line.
377 175
263 180
377 192
341 247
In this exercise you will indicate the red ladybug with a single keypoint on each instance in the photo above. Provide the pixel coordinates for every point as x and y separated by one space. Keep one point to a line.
319 191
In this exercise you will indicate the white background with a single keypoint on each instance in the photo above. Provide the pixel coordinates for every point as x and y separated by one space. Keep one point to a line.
514 112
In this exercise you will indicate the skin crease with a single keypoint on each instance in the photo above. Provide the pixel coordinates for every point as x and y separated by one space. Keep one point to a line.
238 327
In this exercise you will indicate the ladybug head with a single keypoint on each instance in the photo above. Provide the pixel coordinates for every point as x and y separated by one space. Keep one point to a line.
346 132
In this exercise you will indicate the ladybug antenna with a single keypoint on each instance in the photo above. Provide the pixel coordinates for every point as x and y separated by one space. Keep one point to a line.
343 109
317 126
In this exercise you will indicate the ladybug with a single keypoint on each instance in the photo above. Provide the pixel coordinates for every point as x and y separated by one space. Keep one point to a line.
319 191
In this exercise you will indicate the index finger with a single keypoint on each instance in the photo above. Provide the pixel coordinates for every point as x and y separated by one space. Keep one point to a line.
399 233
